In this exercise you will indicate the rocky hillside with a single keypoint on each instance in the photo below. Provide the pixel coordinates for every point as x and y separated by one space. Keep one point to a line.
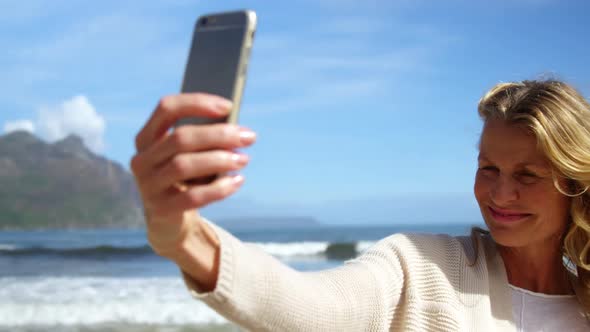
62 185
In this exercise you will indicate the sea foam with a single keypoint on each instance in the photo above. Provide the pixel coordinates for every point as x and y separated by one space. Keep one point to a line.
89 301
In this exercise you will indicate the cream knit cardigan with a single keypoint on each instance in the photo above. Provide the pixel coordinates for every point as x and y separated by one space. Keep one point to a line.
403 283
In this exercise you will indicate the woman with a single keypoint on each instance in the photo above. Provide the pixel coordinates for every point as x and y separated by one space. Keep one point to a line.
531 185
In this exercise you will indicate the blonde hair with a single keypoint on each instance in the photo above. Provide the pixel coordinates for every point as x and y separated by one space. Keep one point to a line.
559 117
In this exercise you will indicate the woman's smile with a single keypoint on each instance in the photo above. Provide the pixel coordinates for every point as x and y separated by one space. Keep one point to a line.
507 216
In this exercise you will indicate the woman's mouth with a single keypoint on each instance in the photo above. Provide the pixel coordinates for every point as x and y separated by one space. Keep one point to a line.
507 216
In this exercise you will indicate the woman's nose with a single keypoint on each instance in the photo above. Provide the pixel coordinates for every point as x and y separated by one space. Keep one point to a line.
504 191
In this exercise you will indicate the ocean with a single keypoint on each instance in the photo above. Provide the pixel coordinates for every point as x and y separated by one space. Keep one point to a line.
110 280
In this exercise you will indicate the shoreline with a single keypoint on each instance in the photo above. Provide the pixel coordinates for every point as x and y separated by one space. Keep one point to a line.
124 327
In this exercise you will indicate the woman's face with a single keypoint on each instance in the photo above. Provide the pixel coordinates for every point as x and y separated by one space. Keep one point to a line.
514 188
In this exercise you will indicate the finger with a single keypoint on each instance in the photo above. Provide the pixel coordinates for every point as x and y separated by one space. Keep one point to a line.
171 108
197 196
195 165
201 138
191 139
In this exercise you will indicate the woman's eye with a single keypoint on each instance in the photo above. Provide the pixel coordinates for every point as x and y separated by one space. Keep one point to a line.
488 170
530 175
527 177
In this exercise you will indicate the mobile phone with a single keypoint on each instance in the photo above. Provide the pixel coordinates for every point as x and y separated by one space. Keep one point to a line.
218 59
217 64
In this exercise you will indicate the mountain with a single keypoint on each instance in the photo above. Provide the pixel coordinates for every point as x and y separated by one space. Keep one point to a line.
62 185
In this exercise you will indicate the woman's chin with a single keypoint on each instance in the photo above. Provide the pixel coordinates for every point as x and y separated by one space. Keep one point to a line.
504 239
508 236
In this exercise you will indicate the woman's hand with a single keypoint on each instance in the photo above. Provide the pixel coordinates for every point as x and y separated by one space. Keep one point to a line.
166 159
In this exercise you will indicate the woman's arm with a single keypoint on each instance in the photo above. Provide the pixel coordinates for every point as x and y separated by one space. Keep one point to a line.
240 281
164 163
260 293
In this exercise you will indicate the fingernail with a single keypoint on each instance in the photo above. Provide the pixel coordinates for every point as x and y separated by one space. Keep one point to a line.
240 159
247 136
237 179
223 105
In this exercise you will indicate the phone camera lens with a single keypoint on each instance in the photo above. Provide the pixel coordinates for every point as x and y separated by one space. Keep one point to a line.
204 21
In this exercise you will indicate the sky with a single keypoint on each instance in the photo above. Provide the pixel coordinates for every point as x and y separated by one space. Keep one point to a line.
366 111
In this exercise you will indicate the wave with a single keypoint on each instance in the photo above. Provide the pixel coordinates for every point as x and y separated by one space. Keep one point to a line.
7 247
334 250
90 252
91 300
289 250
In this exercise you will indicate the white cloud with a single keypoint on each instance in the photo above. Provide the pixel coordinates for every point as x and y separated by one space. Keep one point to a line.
73 116
25 125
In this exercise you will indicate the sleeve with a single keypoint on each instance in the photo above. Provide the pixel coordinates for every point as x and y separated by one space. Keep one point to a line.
260 293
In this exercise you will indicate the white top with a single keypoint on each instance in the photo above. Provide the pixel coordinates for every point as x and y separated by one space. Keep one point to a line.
405 282
536 312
